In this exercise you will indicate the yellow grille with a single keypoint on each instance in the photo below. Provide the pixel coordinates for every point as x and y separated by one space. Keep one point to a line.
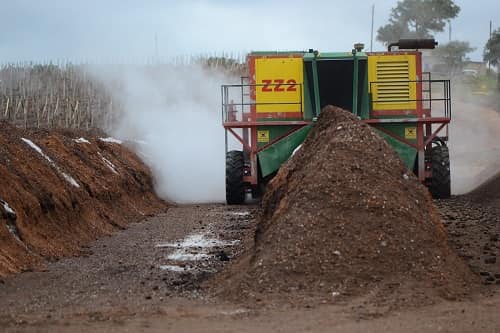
391 79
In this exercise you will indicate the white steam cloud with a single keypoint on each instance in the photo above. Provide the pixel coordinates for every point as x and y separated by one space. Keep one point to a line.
172 116
474 138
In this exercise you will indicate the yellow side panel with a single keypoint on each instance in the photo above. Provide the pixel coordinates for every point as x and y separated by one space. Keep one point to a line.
281 80
390 79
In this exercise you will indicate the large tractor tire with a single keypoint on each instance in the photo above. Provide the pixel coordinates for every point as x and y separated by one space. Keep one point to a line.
235 188
440 186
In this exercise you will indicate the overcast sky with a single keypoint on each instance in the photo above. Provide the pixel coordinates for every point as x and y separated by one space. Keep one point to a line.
124 30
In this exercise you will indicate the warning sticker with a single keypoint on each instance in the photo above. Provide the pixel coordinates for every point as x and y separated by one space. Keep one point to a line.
410 133
262 136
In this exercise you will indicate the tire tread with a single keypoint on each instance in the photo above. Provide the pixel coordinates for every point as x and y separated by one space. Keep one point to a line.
235 188
440 186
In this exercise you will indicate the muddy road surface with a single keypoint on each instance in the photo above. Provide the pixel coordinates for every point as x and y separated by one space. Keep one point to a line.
149 278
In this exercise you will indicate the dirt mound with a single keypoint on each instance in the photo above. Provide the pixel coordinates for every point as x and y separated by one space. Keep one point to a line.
344 217
63 189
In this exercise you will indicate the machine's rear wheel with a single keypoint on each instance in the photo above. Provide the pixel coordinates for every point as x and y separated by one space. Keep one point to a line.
440 186
235 188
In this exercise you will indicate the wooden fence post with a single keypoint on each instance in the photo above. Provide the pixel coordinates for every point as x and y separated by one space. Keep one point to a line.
19 104
50 121
25 110
7 114
76 115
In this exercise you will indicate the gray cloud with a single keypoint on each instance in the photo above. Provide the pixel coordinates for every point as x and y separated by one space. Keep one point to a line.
125 30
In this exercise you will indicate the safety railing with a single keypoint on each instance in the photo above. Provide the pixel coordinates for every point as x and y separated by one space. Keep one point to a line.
435 97
246 102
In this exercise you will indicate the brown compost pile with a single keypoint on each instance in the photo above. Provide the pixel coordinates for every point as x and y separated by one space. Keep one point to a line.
344 217
61 191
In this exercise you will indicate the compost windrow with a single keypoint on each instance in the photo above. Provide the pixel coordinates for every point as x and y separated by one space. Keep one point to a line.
62 189
344 217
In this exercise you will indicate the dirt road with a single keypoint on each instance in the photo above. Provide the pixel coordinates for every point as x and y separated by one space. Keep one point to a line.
145 279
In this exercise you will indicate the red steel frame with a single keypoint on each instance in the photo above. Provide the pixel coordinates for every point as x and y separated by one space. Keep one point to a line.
252 120
423 119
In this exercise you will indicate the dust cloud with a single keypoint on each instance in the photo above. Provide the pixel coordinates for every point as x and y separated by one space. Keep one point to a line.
171 116
474 141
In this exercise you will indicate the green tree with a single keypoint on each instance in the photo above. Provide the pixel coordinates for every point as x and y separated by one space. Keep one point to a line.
417 19
453 54
492 52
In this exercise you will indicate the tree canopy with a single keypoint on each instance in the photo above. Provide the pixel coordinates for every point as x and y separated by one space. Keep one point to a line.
492 48
492 52
417 19
453 54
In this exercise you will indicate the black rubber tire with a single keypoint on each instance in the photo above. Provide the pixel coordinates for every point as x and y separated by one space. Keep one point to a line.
235 188
440 186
